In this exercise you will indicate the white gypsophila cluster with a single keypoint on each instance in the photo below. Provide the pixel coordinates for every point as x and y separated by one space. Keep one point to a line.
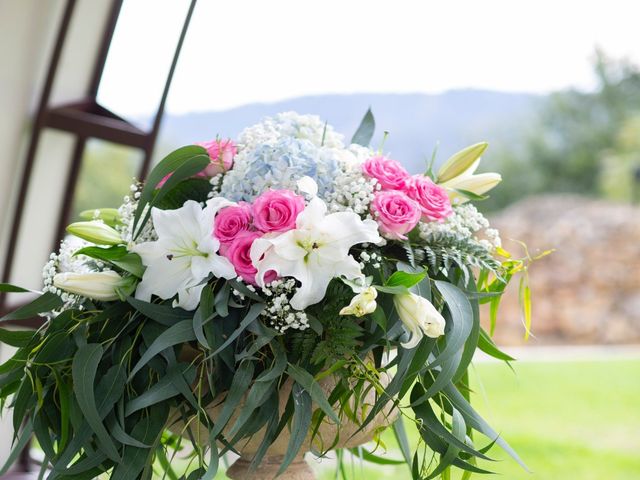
370 258
127 213
353 191
239 295
216 184
466 223
290 124
65 261
278 313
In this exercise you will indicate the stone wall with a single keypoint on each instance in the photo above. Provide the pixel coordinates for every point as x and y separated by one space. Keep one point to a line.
588 290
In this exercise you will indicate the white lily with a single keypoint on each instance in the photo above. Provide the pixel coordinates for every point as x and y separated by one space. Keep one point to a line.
184 254
362 304
419 316
316 251
461 162
469 181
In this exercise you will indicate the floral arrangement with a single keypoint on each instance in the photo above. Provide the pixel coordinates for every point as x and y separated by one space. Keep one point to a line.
242 273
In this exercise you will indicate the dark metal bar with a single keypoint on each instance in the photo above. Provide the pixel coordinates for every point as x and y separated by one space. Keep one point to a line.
94 125
33 144
153 135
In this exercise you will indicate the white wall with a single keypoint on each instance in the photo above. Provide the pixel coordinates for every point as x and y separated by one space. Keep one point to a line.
27 33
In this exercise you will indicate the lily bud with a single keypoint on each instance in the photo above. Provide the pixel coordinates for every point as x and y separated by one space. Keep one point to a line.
476 184
100 286
463 162
362 304
419 316
96 232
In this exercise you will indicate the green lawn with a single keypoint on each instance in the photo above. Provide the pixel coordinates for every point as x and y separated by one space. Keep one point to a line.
567 420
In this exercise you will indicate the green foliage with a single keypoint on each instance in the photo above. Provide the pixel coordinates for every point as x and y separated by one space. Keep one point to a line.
340 336
445 252
574 143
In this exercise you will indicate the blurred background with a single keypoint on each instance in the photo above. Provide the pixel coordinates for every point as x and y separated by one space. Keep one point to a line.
554 87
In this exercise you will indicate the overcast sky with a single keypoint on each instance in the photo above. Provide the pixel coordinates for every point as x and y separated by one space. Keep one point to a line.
245 51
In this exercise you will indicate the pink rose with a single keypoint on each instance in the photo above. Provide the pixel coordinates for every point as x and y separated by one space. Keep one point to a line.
395 213
231 221
221 153
389 173
239 254
433 199
277 210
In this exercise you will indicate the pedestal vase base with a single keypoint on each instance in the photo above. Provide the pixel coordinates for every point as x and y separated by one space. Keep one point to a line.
298 470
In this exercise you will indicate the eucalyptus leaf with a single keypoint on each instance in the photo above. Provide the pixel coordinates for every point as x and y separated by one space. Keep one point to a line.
44 303
9 288
306 381
364 133
300 424
85 367
179 333
16 338
461 320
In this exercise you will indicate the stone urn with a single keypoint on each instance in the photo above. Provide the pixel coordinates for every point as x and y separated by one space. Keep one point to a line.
299 469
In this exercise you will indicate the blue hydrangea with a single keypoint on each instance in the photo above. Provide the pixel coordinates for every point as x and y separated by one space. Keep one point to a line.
280 165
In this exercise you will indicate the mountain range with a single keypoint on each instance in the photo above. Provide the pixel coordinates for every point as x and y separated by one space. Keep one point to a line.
416 123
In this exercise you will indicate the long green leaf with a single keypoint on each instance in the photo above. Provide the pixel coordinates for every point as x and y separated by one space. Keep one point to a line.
167 387
400 433
299 426
181 164
147 431
204 312
474 420
241 381
44 303
117 255
9 288
486 344
364 133
16 338
253 313
461 320
181 332
306 381
424 412
366 455
471 344
458 430
84 369
161 313
109 390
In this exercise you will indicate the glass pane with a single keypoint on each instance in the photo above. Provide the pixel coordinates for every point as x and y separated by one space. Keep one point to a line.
106 174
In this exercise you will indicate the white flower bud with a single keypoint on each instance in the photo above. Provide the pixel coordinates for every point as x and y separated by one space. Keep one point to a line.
362 304
463 162
95 232
419 316
96 285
